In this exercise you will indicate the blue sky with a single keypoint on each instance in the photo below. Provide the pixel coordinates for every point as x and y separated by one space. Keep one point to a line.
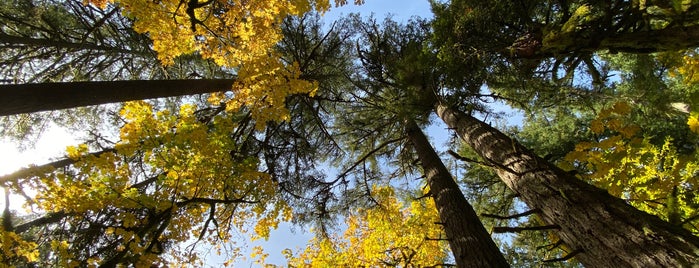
295 238
287 236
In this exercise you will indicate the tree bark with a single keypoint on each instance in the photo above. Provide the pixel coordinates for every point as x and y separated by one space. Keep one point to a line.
29 98
28 171
670 39
470 243
604 230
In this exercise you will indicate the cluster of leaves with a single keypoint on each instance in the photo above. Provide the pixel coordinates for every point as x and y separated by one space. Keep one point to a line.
241 36
654 178
393 233
171 179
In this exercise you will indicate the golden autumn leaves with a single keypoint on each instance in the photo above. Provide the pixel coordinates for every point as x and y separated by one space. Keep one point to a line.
628 165
393 233
169 166
240 35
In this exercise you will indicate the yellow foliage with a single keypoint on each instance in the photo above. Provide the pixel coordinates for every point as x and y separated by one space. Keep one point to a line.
389 234
687 67
693 122
235 34
653 178
13 246
175 158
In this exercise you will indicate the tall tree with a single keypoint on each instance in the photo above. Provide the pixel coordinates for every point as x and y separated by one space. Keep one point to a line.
470 242
381 113
68 41
601 229
29 98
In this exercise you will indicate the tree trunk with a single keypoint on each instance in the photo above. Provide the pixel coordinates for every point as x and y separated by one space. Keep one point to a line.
602 230
29 98
470 243
536 46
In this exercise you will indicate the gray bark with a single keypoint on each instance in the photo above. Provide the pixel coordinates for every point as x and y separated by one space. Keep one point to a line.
604 230
29 98
470 243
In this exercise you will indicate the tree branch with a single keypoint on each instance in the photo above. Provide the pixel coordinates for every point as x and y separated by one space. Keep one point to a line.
527 213
507 229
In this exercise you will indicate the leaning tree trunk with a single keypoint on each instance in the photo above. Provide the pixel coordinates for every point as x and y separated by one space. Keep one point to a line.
602 230
29 98
650 41
470 243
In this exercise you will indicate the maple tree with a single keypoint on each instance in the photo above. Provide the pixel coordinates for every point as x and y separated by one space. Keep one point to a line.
136 203
233 35
170 173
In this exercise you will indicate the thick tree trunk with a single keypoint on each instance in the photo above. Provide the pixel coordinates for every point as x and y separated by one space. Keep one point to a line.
669 39
603 230
29 98
470 242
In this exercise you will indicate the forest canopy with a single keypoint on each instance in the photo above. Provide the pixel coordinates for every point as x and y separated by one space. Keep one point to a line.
207 123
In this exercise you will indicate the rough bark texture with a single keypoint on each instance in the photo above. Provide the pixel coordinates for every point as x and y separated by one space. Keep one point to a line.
670 39
606 231
29 98
470 242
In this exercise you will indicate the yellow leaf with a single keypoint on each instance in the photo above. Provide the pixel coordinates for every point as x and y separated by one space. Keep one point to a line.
693 122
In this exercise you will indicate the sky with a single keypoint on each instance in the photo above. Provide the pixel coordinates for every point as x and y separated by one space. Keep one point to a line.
53 143
295 238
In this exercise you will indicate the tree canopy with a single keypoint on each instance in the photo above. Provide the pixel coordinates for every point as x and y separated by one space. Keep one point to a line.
288 119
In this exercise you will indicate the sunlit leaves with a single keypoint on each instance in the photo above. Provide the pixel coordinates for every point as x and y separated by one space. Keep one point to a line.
238 35
12 246
171 180
391 234
653 178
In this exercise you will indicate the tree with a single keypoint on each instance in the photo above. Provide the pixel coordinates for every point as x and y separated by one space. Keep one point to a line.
67 41
29 98
470 242
380 115
138 203
602 230
152 180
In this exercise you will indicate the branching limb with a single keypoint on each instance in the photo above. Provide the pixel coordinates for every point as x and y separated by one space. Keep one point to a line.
507 229
466 159
527 213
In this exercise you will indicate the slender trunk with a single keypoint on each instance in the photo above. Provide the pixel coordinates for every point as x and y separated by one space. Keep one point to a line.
470 242
29 98
602 230
12 41
29 171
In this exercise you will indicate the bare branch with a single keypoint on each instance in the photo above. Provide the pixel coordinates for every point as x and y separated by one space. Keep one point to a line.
507 229
527 213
